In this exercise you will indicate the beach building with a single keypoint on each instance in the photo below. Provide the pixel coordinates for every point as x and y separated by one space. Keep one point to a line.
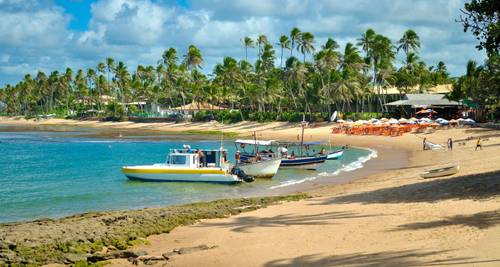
412 103
194 107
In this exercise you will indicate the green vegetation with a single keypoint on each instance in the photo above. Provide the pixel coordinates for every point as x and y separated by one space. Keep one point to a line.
481 84
312 79
213 132
73 238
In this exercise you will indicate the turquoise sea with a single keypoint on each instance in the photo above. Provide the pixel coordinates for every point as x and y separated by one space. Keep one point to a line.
45 174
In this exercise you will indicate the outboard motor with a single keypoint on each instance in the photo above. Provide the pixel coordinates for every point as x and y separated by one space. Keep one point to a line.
242 175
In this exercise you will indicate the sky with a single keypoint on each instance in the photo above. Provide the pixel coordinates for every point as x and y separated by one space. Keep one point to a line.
55 34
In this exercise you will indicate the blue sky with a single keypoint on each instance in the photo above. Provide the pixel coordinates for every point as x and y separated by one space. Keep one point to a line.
54 34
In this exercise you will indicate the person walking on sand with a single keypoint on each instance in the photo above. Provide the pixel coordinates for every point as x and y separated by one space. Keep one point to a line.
450 144
424 143
478 144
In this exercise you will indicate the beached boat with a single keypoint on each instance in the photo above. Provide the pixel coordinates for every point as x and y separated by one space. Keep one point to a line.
439 172
261 169
185 165
335 155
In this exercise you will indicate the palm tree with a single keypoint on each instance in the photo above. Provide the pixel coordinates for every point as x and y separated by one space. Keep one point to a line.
305 44
409 42
248 43
91 82
366 41
193 58
100 71
296 73
110 65
169 58
330 45
122 77
284 44
261 40
294 37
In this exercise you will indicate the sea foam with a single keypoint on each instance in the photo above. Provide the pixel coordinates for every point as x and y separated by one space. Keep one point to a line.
357 164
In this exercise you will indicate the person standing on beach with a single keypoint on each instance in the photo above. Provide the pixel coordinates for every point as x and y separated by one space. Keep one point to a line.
478 144
424 142
450 144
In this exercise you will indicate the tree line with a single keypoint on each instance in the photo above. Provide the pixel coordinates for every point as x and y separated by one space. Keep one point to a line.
293 74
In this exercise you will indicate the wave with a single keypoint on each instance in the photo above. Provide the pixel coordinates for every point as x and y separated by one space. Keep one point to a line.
357 164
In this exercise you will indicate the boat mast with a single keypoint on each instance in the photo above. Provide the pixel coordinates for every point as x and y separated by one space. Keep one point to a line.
302 138
255 143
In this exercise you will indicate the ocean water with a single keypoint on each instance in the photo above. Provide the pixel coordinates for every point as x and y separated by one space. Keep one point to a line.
53 174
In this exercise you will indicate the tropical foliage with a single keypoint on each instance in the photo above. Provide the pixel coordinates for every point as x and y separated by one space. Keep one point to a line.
297 77
481 83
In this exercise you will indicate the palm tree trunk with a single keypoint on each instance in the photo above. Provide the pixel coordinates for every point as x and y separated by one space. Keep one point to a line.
281 61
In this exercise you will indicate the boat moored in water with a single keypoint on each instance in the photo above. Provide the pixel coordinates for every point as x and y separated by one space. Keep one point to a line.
187 165
335 155
261 169
288 159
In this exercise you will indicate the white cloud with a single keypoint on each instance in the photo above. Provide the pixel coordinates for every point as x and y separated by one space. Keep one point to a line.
35 34
41 28
127 22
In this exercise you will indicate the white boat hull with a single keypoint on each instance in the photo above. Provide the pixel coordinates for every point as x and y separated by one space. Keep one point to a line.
261 169
445 171
335 155
165 173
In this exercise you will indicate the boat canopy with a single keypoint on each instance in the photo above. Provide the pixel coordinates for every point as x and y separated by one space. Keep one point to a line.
255 142
305 143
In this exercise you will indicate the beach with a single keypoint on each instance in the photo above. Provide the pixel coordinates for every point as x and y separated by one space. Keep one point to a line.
389 217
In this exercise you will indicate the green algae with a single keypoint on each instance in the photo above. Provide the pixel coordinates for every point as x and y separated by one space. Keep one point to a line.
119 229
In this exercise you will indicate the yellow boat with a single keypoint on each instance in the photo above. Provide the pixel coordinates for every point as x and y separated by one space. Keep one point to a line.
186 165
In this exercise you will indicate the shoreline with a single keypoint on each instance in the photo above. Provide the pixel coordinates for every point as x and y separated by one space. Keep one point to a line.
399 156
395 192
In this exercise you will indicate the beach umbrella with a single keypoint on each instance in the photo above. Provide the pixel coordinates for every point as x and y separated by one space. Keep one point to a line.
403 121
413 119
442 121
469 121
384 119
393 121
453 121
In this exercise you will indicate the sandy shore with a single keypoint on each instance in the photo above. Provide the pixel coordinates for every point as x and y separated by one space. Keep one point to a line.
393 218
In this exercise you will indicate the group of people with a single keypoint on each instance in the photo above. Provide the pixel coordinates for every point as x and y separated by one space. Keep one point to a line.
449 144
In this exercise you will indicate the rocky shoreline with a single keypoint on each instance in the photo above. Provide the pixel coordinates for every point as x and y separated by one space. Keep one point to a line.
99 236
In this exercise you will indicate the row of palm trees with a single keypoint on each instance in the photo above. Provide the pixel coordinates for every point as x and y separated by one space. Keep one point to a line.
325 78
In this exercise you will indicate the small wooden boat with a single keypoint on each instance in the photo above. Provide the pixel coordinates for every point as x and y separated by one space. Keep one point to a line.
261 169
184 165
439 172
335 155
